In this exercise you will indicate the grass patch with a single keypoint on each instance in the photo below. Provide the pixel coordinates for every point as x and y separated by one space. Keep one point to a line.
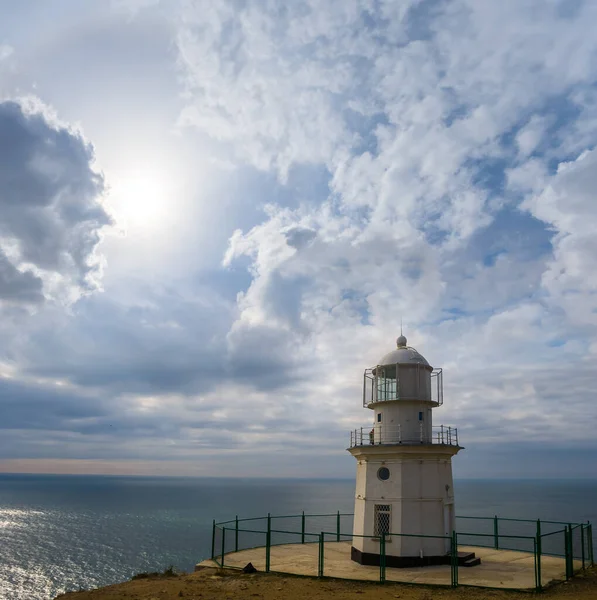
167 572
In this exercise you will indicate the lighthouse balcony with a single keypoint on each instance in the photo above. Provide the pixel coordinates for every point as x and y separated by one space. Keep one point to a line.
391 435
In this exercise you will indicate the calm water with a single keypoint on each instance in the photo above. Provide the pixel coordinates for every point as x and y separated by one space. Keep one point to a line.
61 533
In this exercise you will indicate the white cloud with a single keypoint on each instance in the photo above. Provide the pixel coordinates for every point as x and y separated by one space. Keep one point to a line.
440 128
568 205
5 51
132 7
530 136
429 127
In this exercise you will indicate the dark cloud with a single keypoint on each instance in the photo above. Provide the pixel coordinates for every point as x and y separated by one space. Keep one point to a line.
60 421
50 216
165 343
535 460
18 286
299 237
34 406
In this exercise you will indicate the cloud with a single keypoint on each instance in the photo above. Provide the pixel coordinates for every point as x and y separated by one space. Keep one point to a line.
431 162
567 205
5 51
34 406
247 66
173 342
50 210
441 131
18 286
132 7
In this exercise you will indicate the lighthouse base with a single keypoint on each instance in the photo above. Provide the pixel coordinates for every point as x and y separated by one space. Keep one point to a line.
400 562
465 559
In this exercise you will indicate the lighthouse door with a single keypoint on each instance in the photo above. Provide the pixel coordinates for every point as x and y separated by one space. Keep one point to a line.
448 508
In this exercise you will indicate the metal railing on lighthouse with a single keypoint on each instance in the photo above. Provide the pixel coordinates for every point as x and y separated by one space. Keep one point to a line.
394 435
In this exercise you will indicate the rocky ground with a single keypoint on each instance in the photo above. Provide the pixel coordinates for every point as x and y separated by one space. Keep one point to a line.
212 584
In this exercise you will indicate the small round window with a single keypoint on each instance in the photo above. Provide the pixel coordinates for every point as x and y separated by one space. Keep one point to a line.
383 473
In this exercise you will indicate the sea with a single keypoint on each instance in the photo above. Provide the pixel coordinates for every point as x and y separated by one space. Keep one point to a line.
63 533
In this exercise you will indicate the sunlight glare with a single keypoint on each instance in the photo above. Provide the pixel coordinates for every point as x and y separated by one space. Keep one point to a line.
142 199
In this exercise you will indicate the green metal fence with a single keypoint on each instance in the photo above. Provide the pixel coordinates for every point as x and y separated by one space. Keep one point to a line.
571 541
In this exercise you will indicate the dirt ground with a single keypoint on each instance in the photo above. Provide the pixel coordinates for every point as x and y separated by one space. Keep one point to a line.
211 584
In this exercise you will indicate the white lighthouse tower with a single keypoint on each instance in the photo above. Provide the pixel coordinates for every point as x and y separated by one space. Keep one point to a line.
404 465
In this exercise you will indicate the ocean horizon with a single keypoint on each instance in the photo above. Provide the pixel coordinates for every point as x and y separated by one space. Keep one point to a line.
67 532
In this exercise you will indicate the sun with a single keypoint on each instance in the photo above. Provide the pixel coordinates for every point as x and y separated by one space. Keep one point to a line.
142 198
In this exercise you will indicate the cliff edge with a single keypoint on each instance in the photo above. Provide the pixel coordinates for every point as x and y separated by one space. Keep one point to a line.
213 584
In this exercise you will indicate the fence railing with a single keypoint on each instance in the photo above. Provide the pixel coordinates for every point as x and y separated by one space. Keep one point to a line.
380 434
571 541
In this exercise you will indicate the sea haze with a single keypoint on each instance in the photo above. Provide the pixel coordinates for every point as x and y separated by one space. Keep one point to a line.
60 533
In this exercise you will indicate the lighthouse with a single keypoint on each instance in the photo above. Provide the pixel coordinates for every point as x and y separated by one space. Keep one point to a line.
404 490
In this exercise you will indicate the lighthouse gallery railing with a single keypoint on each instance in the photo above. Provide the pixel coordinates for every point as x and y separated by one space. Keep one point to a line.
380 435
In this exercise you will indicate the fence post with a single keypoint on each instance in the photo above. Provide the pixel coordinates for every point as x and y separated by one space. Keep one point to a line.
496 535
582 545
571 551
382 558
567 544
538 557
590 545
321 557
223 546
236 533
303 528
338 527
452 552
454 558
268 542
213 539
566 549
535 563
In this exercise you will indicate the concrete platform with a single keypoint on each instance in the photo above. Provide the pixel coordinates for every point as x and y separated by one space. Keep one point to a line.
498 568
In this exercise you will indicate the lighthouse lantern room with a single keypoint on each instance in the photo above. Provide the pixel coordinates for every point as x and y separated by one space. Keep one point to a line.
404 490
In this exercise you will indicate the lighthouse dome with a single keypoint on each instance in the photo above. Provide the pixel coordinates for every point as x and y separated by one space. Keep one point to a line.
403 354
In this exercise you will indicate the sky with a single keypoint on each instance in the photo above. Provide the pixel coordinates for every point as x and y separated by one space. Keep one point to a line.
215 214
